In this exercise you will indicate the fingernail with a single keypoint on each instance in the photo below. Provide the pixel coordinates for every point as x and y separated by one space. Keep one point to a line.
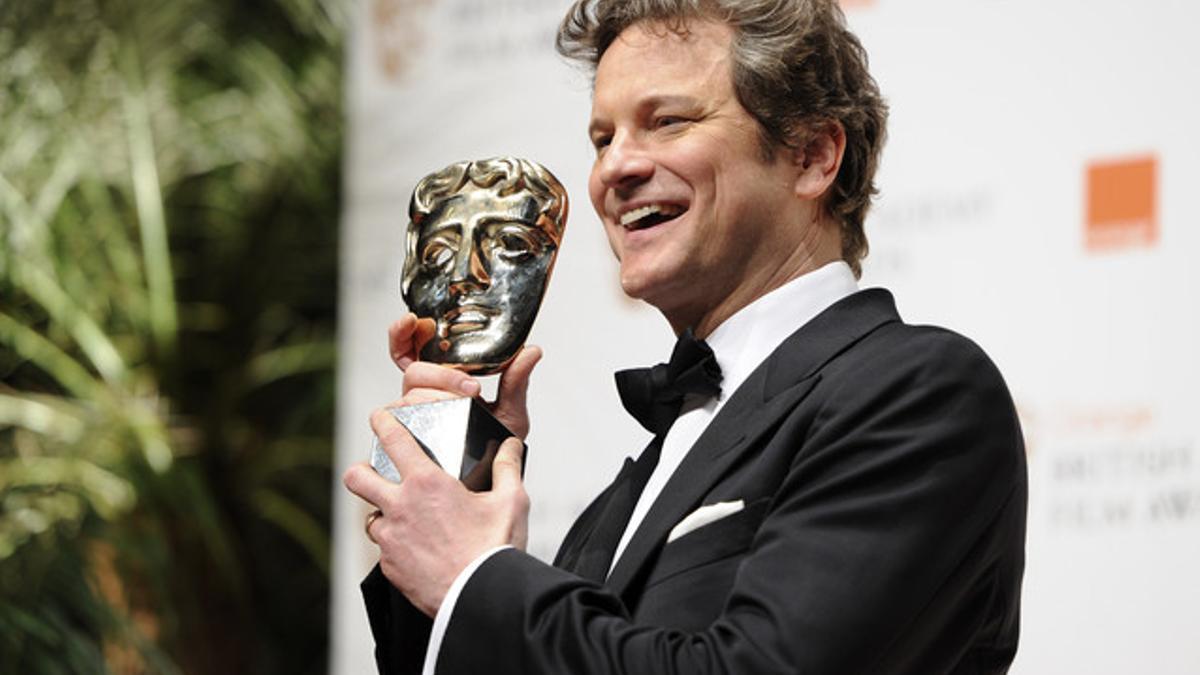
469 387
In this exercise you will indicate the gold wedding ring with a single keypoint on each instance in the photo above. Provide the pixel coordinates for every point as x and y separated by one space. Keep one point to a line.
371 518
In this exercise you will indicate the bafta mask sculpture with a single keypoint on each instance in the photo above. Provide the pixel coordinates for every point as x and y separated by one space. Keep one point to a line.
482 239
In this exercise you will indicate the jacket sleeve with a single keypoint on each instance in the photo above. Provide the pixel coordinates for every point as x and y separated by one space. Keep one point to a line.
400 630
893 544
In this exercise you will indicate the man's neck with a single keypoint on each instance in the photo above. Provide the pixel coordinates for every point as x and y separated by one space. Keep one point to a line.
705 320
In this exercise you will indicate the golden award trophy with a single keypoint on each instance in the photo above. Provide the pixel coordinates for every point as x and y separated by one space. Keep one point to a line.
482 240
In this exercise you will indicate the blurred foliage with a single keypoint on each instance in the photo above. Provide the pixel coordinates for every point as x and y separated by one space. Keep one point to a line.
169 185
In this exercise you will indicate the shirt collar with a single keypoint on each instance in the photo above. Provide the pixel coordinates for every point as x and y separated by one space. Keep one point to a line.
747 338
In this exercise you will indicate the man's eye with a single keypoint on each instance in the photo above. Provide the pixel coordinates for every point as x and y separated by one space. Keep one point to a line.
437 253
668 121
601 142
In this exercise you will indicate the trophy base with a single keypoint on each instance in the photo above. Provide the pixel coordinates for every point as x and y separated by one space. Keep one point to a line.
460 435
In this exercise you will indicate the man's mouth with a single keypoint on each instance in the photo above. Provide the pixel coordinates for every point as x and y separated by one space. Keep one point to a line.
465 319
649 216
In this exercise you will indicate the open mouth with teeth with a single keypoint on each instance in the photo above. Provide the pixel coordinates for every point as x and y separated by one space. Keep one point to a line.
649 216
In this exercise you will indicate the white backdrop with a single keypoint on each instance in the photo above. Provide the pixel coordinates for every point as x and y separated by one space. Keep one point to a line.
1036 196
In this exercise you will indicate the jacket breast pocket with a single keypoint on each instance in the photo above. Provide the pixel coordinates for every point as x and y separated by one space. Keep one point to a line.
720 539
693 574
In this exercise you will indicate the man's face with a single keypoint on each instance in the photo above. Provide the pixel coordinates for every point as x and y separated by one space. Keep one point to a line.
693 211
479 271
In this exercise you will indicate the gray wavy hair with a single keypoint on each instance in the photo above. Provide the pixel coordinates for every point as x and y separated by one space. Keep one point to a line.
796 68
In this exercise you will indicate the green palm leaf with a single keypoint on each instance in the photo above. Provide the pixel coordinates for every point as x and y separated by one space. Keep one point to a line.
167 266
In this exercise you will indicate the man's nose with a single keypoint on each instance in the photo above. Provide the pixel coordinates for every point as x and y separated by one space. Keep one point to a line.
624 163
469 272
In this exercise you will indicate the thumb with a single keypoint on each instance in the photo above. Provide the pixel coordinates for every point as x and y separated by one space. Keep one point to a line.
514 382
426 328
406 336
506 468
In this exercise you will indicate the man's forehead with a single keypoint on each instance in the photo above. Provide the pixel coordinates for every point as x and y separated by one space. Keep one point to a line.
673 34
678 28
651 57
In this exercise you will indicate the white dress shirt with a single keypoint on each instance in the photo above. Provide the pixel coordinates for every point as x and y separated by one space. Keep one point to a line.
740 344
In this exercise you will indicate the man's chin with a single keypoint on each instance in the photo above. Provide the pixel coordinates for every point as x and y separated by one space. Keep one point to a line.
646 285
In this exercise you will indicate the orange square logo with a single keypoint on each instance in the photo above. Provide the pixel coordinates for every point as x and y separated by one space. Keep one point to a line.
1122 204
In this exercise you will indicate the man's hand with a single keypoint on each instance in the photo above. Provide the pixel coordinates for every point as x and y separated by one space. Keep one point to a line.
432 527
406 336
425 382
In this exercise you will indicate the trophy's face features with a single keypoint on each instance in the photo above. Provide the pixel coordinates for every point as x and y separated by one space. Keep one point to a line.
478 265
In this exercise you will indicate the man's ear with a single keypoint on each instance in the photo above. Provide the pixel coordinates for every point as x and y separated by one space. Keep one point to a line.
818 159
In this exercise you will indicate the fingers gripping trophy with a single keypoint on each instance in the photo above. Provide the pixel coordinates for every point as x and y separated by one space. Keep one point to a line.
481 244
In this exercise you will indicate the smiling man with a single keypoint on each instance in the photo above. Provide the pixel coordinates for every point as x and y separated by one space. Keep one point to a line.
829 489
704 214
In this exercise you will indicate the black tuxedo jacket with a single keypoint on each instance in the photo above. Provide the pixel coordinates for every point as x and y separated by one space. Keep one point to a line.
883 475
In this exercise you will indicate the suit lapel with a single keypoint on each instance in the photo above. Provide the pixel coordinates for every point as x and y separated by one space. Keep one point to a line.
579 537
774 389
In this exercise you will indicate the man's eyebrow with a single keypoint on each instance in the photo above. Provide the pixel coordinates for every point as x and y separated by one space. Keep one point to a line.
647 105
661 100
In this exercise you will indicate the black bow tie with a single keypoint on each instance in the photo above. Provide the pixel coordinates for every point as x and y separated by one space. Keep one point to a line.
654 395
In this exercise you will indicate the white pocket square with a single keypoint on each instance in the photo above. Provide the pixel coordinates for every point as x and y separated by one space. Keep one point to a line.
703 516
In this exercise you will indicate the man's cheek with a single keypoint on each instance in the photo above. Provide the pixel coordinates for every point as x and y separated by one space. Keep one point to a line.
614 241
